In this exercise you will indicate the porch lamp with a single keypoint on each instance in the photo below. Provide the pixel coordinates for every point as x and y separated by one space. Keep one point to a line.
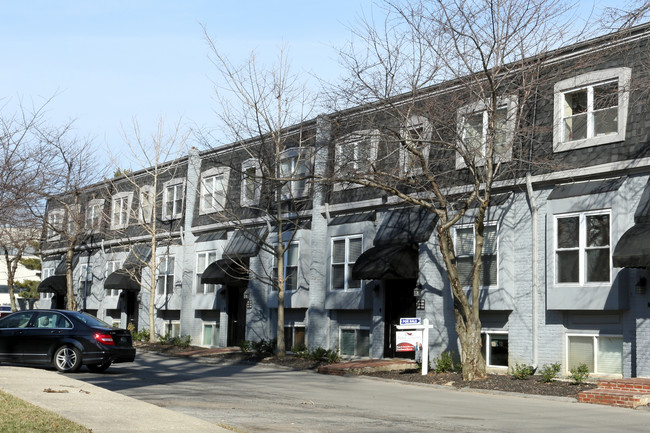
640 286
417 291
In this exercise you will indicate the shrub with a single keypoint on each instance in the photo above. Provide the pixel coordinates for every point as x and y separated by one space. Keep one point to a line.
264 347
317 354
579 374
521 371
245 346
444 363
142 335
324 355
548 372
332 357
300 350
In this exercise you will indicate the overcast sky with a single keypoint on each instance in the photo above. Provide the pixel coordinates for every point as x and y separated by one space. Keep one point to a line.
110 61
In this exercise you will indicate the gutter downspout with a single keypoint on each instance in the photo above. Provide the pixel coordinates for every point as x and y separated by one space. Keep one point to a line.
534 212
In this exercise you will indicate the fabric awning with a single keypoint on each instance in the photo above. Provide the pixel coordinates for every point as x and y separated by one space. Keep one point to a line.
387 262
54 284
406 226
225 271
138 257
633 248
122 279
245 243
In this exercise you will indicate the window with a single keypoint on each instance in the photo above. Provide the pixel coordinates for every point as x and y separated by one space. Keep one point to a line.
111 266
582 248
121 209
47 272
473 124
173 199
147 198
214 184
203 260
354 342
85 277
294 165
291 258
591 109
250 183
294 336
345 251
465 245
173 329
415 140
165 281
210 334
355 153
94 215
603 354
55 219
495 348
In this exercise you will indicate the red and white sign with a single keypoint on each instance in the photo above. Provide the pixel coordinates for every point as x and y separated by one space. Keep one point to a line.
408 341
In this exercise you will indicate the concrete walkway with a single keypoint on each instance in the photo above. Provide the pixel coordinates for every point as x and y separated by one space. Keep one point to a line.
98 409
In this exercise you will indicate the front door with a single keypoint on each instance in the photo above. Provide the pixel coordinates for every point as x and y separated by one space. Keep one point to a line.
131 308
400 303
236 314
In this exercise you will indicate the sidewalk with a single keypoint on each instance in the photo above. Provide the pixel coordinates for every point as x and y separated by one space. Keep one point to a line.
100 410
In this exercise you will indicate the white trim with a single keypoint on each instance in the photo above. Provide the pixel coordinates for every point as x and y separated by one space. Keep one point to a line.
346 264
248 164
356 328
414 122
595 336
148 189
219 195
125 199
486 224
357 139
171 184
488 335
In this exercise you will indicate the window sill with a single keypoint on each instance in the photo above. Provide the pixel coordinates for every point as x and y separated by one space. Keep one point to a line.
588 142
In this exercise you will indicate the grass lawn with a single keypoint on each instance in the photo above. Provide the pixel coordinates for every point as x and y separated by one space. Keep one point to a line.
19 416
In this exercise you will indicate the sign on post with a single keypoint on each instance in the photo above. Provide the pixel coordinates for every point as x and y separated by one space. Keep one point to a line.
413 325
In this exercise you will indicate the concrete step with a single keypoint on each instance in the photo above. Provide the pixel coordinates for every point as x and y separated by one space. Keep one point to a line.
637 385
614 397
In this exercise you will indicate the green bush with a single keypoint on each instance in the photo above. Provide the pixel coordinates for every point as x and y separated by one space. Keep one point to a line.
141 335
521 371
328 356
579 374
264 347
300 350
548 372
245 346
332 357
318 354
444 363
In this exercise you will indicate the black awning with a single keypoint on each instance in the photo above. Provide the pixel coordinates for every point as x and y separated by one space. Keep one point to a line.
585 188
245 243
386 263
122 279
225 271
54 284
213 236
61 267
353 218
406 226
138 257
633 248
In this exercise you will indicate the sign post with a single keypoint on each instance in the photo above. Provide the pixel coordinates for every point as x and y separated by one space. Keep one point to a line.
415 324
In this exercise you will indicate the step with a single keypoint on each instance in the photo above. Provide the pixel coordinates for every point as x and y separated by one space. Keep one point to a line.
614 397
637 385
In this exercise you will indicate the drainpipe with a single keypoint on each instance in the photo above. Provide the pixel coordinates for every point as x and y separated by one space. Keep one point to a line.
533 210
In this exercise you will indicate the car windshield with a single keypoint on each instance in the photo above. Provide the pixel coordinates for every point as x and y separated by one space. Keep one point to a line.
91 320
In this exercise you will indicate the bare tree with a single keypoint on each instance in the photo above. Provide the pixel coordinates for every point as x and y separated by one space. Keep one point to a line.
259 109
443 146
627 15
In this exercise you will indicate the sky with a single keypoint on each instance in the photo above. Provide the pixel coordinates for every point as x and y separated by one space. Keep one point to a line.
109 62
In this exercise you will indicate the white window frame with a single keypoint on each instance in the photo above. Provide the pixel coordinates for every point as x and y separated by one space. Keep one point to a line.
299 157
496 253
348 263
177 188
94 215
292 327
147 199
595 336
588 81
356 329
74 216
47 272
360 158
55 220
173 328
209 258
488 337
168 288
214 190
582 248
215 332
414 122
297 266
111 266
123 200
510 103
249 164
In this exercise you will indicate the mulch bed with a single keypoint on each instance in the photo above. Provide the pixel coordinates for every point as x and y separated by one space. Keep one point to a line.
495 382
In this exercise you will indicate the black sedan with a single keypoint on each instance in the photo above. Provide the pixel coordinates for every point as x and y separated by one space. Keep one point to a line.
64 339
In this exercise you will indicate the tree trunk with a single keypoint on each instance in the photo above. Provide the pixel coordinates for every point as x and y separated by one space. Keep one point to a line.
71 303
281 344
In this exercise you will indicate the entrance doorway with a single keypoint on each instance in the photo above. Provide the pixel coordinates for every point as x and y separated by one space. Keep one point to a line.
236 314
399 302
131 308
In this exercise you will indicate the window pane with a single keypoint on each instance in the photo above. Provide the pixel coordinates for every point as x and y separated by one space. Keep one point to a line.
568 232
501 131
606 95
575 127
299 335
499 350
489 271
346 345
490 240
606 121
597 230
567 267
292 255
610 355
207 335
352 283
598 265
338 276
474 132
581 351
338 251
464 265
465 241
355 249
575 103
291 278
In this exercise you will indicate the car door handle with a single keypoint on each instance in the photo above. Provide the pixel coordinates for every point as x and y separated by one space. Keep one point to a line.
55 332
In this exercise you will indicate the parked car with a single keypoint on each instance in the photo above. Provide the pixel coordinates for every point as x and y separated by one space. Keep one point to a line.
64 339
5 310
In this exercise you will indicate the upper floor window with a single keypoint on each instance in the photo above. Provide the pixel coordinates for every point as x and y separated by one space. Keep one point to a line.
214 184
111 266
465 247
591 109
290 267
173 199
415 144
474 131
121 210
85 276
345 252
55 223
75 219
582 248
355 153
203 260
94 214
294 164
147 200
251 184
47 272
165 280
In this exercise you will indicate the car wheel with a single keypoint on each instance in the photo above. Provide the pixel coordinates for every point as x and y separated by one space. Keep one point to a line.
99 368
67 359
